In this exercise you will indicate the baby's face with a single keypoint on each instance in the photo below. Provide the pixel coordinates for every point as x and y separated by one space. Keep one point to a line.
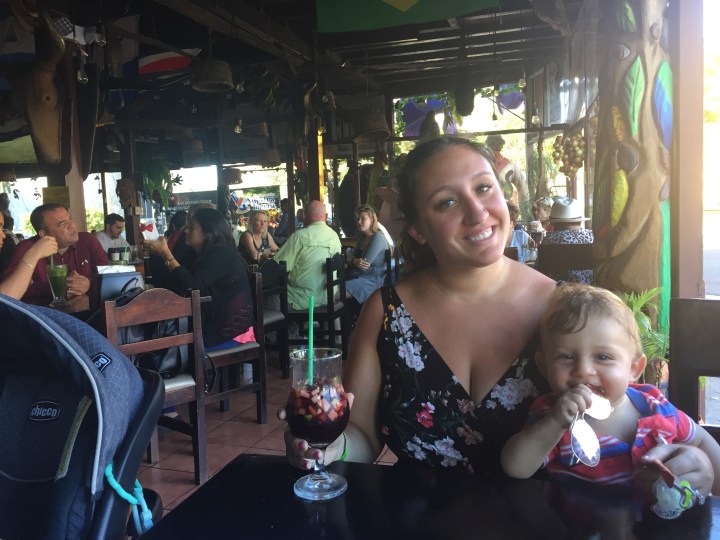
601 356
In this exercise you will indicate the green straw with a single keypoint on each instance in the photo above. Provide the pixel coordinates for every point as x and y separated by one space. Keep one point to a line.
311 306
52 261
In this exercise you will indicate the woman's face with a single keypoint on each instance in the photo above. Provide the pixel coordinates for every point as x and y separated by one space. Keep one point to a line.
260 222
541 213
364 222
462 214
194 236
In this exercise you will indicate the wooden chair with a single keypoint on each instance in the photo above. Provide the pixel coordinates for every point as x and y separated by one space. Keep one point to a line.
227 361
389 267
512 253
556 260
333 310
694 353
188 387
275 308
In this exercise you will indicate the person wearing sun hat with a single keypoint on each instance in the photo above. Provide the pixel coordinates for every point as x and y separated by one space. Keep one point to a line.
567 219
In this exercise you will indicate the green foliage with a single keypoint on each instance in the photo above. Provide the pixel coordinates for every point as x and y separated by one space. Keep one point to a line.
538 187
655 342
448 97
95 219
155 169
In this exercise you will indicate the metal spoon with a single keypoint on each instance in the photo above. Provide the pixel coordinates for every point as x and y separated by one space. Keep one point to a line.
583 439
584 442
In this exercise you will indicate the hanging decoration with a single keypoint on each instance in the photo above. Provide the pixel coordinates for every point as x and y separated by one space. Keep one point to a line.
570 151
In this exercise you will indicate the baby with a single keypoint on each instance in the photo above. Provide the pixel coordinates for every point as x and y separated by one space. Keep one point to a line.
590 345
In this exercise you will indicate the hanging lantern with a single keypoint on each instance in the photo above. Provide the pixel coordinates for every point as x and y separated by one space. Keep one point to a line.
464 96
212 76
371 128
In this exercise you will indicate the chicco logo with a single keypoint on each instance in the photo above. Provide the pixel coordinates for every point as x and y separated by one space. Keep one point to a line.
101 361
43 411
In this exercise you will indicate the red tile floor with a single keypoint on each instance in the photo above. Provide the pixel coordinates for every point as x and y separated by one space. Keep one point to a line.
229 434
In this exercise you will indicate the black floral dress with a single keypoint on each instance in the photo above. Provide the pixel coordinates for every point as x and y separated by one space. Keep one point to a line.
427 416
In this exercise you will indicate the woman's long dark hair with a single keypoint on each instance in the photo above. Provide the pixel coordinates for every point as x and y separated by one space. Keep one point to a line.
419 256
216 229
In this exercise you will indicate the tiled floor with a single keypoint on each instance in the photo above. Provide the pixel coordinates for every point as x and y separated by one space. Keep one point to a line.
229 434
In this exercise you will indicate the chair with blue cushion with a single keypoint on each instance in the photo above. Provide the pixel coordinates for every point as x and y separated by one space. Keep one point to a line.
228 360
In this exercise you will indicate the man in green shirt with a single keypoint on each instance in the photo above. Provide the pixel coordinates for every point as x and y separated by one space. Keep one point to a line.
305 253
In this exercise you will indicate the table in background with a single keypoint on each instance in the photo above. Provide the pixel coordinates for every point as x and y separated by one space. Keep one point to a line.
252 497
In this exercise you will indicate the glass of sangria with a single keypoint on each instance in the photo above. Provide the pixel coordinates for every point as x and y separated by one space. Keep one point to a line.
317 411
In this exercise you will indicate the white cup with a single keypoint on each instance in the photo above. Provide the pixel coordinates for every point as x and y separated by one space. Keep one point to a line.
114 256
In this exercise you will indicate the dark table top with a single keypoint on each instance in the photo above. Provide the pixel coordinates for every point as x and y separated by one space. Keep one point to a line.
252 497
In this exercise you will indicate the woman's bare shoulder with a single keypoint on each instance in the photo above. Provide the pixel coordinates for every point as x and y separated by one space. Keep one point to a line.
529 290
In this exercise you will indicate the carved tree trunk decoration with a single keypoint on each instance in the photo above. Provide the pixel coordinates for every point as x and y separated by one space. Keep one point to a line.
631 207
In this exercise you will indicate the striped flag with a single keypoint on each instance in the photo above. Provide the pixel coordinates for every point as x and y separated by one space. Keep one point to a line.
352 15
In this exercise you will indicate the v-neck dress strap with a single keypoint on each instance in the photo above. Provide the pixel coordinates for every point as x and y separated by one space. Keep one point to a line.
427 416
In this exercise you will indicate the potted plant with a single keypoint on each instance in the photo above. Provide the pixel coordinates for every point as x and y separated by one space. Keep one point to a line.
655 342
158 183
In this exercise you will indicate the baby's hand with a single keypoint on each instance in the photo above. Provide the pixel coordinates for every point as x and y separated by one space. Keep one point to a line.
570 404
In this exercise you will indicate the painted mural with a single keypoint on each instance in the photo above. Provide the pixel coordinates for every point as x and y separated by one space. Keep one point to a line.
631 218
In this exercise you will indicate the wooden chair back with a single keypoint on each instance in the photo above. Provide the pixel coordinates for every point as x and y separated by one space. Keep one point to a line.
556 260
326 315
155 305
275 308
512 253
694 353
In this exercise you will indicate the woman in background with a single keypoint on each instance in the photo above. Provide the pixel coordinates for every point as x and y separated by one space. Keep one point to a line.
367 266
218 271
257 244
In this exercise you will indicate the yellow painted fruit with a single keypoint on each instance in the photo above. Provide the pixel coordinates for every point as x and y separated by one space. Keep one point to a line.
619 197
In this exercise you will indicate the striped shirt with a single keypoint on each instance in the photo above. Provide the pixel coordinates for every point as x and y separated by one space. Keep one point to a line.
617 458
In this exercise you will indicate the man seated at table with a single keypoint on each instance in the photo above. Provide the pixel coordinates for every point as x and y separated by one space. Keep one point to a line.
112 237
305 253
567 220
81 251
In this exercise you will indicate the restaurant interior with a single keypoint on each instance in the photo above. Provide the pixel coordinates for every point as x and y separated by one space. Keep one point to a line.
139 86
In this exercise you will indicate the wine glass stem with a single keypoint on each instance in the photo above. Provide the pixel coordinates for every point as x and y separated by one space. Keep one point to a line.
320 470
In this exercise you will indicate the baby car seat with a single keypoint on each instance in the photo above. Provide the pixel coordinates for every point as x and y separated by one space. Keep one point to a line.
70 407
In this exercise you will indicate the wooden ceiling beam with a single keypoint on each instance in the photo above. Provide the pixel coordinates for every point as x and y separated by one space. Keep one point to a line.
243 22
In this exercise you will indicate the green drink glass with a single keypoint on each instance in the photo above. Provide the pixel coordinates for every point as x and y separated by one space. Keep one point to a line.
57 275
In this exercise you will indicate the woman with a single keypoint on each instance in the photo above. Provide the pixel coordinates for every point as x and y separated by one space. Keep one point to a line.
219 272
16 282
257 244
440 365
367 266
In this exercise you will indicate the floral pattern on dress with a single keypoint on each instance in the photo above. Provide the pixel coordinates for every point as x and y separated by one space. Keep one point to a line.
427 415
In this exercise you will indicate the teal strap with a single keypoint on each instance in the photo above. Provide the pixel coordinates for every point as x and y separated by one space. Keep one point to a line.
138 500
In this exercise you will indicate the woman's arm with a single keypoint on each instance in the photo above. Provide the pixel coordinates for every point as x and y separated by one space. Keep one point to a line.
246 241
362 377
271 242
377 246
16 284
213 265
